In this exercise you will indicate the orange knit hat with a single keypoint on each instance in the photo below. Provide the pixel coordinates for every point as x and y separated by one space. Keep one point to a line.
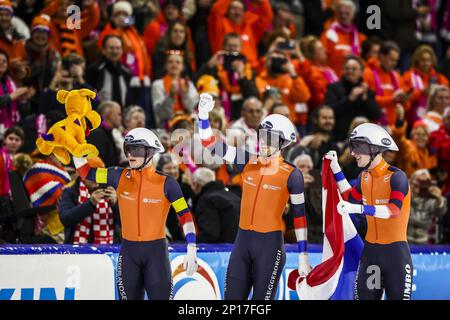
41 22
6 5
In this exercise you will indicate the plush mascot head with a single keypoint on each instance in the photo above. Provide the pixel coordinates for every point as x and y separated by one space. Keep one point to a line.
68 137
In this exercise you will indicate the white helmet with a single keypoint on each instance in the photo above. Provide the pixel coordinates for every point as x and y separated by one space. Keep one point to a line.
144 137
281 125
375 135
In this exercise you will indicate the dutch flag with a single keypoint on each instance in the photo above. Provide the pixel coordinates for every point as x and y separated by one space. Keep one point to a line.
334 277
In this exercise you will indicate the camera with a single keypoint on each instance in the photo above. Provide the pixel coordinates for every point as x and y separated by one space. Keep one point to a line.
230 57
277 64
286 45
424 191
101 186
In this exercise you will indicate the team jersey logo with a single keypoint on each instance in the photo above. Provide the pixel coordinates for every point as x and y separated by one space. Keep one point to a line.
271 187
147 200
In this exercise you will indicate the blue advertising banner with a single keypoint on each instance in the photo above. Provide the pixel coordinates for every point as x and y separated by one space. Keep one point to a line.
81 272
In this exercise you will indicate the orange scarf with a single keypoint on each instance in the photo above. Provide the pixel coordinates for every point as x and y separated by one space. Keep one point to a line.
177 99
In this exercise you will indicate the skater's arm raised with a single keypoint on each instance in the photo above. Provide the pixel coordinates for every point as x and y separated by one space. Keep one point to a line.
109 176
237 156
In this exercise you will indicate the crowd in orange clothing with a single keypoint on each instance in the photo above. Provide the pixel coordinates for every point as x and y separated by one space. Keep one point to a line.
314 61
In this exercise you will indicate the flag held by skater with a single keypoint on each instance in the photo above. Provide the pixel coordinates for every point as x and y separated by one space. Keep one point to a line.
335 276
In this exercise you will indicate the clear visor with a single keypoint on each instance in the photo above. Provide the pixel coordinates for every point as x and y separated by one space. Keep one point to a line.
138 151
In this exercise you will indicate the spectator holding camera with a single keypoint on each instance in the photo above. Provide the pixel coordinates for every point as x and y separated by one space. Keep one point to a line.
69 75
387 83
419 78
427 206
280 73
234 73
231 16
89 212
342 37
173 93
351 98
414 153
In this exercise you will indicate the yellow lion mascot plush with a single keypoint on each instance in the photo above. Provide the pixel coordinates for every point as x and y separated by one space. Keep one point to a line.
68 137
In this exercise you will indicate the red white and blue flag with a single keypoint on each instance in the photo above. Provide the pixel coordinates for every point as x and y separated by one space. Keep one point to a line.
334 277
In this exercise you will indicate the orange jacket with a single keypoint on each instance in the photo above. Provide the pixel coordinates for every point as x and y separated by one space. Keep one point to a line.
316 81
294 93
66 40
251 30
261 191
338 45
385 88
415 81
14 48
384 188
134 52
411 157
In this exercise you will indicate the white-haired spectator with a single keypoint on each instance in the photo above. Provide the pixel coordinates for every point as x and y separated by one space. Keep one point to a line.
251 116
134 117
305 164
216 209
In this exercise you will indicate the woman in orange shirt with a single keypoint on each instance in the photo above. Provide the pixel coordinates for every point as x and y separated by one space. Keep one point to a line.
419 78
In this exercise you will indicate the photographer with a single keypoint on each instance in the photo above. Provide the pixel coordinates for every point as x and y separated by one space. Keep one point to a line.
280 73
89 212
69 75
427 205
234 73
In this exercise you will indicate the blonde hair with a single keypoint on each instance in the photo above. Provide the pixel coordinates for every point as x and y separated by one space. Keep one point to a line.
308 46
420 51
434 90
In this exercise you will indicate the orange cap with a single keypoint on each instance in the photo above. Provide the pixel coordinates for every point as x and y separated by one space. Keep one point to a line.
6 5
41 22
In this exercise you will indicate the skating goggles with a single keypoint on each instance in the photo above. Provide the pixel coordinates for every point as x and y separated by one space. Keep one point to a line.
361 147
138 151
